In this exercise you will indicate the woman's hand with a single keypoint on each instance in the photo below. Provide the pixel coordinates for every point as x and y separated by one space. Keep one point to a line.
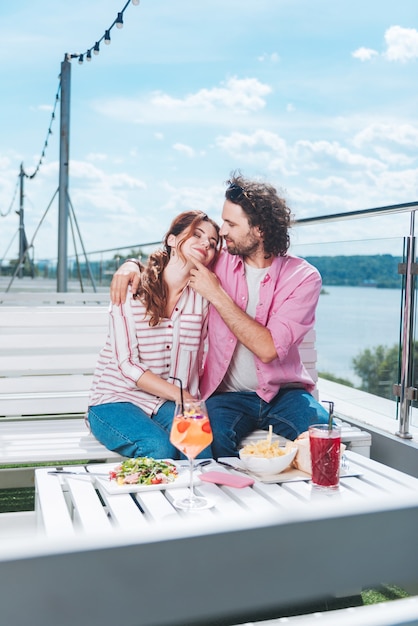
187 397
157 386
127 274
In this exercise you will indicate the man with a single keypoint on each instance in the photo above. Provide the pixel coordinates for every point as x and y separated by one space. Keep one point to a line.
263 304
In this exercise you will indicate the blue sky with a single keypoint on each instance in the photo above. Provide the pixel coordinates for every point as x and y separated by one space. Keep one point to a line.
320 98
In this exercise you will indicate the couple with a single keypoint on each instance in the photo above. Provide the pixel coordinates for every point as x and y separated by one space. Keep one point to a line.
262 303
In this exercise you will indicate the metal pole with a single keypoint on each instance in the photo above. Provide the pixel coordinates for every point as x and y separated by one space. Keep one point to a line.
405 391
22 246
62 268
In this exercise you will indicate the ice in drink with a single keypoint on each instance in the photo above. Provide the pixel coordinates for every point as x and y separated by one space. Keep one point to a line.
325 448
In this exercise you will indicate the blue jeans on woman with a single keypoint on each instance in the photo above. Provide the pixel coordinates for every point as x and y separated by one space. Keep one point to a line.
126 429
236 414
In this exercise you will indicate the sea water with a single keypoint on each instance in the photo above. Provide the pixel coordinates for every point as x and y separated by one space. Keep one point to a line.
351 319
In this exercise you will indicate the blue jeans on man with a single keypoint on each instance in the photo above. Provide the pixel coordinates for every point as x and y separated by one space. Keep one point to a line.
234 415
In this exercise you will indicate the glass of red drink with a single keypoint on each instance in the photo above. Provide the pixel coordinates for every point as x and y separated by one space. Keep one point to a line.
191 433
325 447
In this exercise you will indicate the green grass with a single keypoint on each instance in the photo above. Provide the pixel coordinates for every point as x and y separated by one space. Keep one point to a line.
23 498
12 500
383 593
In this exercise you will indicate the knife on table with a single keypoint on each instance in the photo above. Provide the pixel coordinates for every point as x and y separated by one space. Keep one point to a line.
234 467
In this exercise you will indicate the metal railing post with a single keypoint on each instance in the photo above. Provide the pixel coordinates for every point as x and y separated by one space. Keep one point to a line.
405 391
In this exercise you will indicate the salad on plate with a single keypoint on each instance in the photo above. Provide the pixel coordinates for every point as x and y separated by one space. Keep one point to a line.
144 471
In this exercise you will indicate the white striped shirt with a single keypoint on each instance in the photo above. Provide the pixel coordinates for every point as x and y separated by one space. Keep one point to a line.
175 347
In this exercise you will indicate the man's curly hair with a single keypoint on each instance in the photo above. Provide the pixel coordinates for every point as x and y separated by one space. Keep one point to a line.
264 209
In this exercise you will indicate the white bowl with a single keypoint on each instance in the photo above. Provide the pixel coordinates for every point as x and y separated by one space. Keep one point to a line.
268 467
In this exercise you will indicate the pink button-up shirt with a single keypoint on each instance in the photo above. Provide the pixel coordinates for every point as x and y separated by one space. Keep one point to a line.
287 302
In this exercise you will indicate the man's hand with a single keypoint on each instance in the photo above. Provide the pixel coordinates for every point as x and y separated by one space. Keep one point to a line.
254 336
127 274
204 281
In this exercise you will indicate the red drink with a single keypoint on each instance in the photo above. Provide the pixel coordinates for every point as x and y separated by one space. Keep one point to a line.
325 446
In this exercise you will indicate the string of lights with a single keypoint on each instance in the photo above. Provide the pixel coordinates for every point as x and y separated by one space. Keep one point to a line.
13 200
57 97
95 49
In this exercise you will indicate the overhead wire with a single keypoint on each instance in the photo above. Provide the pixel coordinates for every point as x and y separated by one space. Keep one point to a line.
13 199
118 23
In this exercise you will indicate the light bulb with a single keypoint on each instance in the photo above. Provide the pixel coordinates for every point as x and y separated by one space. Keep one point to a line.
119 21
107 38
88 55
81 59
96 48
135 2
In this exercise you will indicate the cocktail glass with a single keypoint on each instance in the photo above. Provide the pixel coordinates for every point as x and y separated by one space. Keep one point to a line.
325 447
191 433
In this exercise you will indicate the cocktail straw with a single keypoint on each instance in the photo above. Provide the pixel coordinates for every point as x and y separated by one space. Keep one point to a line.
181 392
330 412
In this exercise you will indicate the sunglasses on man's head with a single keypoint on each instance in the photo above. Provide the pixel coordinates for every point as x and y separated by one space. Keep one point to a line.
234 192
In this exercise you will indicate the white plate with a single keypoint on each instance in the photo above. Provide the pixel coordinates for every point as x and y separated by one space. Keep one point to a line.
182 480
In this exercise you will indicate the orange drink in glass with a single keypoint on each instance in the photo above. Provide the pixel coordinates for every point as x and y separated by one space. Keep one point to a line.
191 433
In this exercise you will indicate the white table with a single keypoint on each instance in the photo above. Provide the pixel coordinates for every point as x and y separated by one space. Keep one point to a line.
260 549
69 504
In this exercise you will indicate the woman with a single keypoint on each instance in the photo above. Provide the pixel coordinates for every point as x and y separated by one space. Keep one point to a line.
157 335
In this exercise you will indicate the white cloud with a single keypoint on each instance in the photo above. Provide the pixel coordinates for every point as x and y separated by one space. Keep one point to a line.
402 44
395 159
338 153
364 54
221 104
183 149
402 134
45 107
262 148
92 175
96 156
237 94
236 143
272 58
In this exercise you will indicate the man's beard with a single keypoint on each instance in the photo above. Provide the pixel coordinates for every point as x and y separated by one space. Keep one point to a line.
244 249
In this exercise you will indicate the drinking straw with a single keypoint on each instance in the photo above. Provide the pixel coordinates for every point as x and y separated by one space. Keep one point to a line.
330 412
270 434
181 392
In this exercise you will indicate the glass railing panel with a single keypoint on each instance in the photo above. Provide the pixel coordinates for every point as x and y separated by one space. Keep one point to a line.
358 326
359 321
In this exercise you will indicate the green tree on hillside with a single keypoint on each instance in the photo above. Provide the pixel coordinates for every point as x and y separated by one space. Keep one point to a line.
379 369
379 270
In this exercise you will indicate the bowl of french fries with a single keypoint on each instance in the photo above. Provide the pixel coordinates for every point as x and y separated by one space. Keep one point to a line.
267 457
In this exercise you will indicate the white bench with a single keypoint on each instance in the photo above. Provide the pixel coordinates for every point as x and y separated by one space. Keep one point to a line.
48 354
31 298
47 359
